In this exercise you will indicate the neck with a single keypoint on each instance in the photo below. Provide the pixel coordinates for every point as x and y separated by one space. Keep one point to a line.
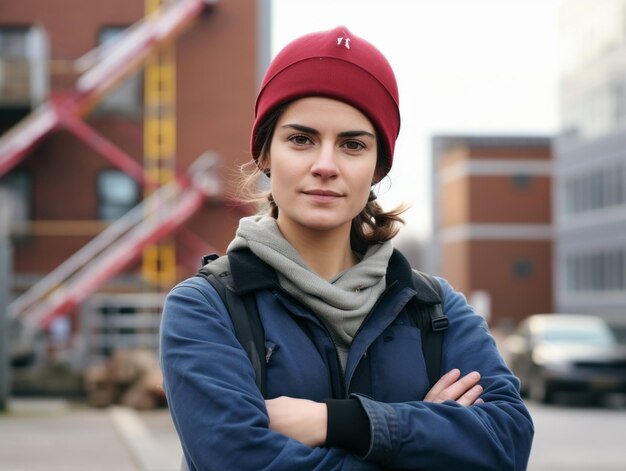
327 253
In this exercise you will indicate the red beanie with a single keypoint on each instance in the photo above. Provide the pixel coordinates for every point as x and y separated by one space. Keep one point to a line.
339 65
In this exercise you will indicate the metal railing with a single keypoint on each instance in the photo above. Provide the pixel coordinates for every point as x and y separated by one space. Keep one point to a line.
111 322
117 246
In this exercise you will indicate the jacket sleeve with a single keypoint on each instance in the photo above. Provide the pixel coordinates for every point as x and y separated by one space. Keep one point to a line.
218 412
496 435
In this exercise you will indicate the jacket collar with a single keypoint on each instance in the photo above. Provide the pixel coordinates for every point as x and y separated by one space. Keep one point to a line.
400 270
250 273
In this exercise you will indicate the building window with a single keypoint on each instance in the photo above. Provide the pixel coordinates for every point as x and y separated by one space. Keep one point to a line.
117 194
523 268
13 42
596 191
522 181
597 271
126 98
19 184
618 88
23 66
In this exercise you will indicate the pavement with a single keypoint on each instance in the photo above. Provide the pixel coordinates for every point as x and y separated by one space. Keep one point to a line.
60 435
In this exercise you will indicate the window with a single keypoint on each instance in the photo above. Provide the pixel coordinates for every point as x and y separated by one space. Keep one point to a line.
618 89
14 66
522 181
127 96
13 42
117 194
597 271
596 191
23 66
612 188
571 281
523 268
19 185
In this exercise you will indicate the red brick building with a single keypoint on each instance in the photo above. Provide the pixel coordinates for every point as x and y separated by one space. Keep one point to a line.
76 179
217 68
492 222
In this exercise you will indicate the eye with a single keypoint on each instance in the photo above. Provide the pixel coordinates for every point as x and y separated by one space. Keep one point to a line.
300 139
354 145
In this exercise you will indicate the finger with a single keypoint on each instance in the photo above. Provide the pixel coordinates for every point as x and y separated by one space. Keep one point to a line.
444 382
471 396
455 391
478 402
462 386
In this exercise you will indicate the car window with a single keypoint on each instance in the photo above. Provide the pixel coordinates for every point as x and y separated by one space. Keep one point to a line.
586 335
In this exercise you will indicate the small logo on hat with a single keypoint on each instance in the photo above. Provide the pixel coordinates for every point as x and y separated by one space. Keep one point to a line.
345 41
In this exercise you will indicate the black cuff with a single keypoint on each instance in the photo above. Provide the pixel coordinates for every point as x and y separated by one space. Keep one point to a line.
348 426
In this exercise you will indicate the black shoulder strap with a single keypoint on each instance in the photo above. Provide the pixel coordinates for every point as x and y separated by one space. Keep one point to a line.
433 325
249 330
243 312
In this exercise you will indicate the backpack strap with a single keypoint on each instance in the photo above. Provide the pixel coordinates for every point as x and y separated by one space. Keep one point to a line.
243 312
433 324
249 330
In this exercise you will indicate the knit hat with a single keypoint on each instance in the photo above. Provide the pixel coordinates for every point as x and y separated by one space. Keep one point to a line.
339 65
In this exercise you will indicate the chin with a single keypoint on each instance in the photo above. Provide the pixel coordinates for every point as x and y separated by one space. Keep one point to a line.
322 224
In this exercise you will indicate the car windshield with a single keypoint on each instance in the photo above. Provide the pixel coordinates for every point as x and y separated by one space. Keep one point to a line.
586 335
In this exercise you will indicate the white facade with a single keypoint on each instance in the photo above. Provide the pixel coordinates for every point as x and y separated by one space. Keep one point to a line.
590 160
593 67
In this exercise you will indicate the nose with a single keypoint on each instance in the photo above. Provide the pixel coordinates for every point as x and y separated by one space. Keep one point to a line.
325 164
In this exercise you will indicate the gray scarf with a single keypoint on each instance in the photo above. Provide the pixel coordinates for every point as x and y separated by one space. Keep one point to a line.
341 303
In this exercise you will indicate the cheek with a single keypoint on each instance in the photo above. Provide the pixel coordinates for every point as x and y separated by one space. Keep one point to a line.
279 182
367 179
365 194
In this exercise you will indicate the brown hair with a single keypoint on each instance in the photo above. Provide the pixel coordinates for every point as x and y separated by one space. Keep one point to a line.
372 225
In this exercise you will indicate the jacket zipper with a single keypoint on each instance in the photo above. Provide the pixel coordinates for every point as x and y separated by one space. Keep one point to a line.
378 301
341 384
346 383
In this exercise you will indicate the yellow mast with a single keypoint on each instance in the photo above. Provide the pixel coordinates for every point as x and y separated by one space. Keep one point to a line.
159 260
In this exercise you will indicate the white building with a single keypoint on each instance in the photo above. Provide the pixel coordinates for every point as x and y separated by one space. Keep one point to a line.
590 160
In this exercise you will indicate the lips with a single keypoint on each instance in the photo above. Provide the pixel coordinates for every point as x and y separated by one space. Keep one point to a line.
323 195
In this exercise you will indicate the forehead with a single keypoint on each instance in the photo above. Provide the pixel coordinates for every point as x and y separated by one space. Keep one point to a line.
326 111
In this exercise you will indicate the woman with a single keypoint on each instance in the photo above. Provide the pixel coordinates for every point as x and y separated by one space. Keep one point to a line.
346 380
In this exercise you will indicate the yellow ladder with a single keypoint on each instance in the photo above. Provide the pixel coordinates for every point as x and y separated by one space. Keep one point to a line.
159 260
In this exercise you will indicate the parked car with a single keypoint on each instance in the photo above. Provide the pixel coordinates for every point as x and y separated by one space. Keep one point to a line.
553 353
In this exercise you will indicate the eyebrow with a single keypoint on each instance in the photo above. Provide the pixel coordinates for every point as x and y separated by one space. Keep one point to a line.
356 133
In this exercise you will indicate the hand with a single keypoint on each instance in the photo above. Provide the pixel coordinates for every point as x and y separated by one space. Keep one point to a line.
300 419
466 390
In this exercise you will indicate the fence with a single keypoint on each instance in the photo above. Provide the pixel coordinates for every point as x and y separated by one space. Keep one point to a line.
119 321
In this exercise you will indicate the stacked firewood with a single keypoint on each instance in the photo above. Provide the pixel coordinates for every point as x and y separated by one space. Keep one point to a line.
130 377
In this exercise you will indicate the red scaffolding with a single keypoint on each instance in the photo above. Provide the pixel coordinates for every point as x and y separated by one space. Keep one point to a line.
103 69
122 243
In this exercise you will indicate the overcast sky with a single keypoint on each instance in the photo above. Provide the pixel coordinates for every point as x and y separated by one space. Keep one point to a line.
463 66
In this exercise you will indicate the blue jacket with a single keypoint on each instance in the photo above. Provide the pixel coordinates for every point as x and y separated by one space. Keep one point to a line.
221 418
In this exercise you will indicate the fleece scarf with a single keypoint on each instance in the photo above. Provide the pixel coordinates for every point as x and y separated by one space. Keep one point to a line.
341 303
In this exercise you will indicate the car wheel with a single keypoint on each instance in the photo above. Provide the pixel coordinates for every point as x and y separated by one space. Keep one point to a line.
539 390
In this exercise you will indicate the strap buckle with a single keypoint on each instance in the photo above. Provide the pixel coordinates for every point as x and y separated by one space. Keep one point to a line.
209 258
439 323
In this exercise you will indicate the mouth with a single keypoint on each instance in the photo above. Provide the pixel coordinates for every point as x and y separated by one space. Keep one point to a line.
323 195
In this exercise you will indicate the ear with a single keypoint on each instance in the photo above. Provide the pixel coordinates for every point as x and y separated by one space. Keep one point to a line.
379 174
381 169
264 164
